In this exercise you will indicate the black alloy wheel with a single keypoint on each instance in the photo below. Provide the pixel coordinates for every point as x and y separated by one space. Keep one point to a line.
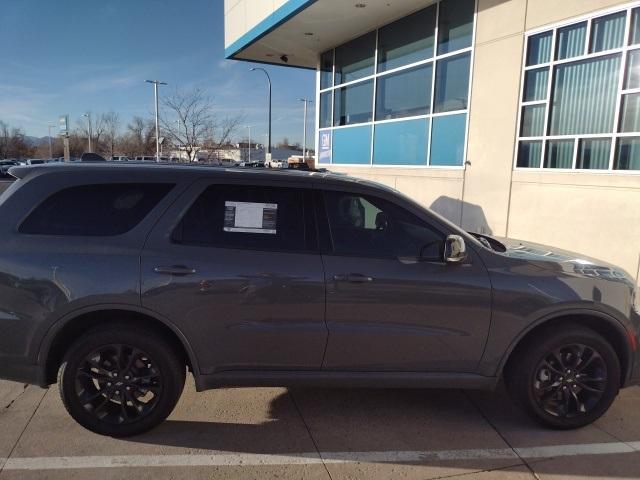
570 380
121 380
566 376
118 383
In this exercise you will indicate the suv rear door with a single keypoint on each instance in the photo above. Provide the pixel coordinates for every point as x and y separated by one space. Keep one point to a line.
236 267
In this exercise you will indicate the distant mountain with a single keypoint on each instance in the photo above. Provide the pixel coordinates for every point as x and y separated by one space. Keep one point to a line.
35 141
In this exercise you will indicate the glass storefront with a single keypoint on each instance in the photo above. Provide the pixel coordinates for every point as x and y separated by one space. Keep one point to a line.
399 95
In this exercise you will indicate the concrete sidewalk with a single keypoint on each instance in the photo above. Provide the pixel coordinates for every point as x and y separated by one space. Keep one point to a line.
313 433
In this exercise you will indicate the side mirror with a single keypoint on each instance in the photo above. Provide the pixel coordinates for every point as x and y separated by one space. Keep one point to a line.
455 251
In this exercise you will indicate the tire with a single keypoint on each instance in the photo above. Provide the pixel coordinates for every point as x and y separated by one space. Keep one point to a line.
565 361
101 396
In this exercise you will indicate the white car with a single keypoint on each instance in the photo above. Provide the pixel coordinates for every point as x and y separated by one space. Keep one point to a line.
273 164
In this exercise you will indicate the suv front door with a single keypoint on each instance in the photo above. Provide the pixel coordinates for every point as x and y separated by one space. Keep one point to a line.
236 268
393 304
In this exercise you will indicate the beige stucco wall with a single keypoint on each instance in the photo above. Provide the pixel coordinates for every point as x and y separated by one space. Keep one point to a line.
242 15
595 214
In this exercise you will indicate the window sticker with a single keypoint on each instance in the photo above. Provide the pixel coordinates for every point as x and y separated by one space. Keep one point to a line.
249 217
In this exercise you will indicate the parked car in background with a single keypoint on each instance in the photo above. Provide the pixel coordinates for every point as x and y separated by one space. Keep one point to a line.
273 164
117 278
120 158
35 161
145 158
5 165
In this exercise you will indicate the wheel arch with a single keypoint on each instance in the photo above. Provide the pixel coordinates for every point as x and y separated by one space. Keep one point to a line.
62 334
610 328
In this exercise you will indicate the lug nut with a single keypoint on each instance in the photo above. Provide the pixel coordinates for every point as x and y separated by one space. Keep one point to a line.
108 384
126 377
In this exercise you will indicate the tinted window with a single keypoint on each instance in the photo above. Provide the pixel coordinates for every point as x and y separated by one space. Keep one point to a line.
355 59
455 25
353 104
95 210
239 216
404 94
370 226
325 109
326 69
452 83
407 40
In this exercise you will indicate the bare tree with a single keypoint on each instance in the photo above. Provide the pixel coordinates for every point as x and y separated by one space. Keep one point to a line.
112 129
5 139
13 143
139 139
221 135
188 119
98 129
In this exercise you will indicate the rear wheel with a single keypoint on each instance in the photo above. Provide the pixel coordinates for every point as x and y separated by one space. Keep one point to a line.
120 381
566 377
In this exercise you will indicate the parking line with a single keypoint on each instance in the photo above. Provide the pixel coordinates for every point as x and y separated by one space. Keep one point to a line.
312 458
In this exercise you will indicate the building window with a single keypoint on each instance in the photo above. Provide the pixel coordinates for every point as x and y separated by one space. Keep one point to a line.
352 104
355 59
402 90
404 94
580 101
407 40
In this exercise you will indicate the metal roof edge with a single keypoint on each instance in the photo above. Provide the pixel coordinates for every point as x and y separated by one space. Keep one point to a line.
273 21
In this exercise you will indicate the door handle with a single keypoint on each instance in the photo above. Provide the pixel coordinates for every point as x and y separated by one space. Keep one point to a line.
353 278
177 270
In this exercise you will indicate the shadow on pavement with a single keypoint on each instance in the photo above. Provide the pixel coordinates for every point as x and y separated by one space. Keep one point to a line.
346 423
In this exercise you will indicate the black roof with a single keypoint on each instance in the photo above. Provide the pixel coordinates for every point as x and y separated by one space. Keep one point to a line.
187 170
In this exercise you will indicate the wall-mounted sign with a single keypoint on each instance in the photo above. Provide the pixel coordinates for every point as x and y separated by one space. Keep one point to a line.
324 155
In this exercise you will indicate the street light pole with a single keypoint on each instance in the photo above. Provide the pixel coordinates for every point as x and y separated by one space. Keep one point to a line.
155 94
88 115
304 131
249 127
269 80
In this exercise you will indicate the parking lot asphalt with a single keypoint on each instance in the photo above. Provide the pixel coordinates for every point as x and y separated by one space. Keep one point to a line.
319 434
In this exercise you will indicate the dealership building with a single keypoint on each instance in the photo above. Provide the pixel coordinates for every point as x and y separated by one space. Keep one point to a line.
516 118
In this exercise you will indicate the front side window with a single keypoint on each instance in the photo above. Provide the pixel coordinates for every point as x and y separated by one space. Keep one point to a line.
363 225
95 210
241 216
579 105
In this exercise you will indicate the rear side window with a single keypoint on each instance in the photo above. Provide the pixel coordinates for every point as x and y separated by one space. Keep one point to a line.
95 210
240 216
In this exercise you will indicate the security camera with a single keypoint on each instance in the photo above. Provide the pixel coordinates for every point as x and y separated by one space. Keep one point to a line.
284 58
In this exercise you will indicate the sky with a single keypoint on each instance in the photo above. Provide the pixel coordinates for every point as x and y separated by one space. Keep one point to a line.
72 56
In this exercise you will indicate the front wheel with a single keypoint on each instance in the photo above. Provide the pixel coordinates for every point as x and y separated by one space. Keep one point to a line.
565 378
120 381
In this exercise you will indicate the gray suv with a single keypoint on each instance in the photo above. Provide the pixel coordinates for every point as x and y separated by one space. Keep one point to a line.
118 278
